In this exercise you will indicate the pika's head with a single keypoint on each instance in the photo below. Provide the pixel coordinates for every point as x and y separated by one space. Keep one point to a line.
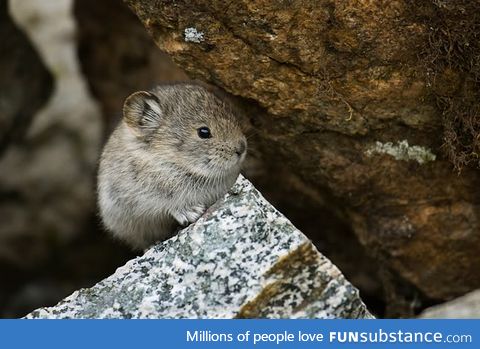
189 126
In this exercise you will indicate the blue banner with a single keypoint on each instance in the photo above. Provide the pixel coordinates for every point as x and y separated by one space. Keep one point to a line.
262 334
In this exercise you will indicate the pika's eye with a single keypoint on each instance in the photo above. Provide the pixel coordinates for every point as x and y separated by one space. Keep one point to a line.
204 132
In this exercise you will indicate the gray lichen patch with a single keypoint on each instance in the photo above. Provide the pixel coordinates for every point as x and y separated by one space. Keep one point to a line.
193 35
403 151
242 258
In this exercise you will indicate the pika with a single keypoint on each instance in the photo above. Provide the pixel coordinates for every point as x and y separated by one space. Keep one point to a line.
177 150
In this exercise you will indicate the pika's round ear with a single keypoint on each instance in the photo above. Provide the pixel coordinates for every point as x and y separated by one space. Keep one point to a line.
142 111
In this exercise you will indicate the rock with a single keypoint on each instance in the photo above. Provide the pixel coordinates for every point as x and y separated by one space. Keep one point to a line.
242 259
345 106
117 56
47 179
26 84
465 307
47 197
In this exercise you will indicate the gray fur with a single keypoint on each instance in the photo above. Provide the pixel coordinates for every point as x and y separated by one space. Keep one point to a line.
156 172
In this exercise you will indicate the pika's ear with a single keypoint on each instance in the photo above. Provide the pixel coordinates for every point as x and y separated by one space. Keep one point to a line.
142 111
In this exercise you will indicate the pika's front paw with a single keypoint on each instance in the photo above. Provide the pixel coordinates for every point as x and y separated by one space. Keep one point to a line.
187 216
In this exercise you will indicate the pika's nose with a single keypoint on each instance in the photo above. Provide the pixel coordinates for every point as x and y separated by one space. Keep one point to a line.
242 146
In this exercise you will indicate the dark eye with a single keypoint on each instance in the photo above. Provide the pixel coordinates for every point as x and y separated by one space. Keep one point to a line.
204 132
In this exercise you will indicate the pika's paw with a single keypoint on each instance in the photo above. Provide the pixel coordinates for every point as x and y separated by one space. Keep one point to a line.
190 215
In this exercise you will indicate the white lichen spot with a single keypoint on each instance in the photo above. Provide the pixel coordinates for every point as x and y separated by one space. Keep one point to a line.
193 35
403 151
271 37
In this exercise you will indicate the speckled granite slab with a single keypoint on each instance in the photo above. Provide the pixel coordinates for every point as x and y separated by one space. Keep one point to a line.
242 259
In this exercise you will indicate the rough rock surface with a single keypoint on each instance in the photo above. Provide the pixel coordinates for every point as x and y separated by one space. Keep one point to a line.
465 307
345 111
25 83
242 259
118 56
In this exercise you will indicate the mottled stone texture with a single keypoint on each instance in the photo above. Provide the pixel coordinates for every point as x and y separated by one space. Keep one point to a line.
241 259
117 56
331 79
465 307
25 82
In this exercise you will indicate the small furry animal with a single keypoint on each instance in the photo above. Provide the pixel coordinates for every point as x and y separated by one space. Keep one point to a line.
177 150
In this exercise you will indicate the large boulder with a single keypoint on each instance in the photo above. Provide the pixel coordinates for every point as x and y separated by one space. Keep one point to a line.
241 259
351 103
465 307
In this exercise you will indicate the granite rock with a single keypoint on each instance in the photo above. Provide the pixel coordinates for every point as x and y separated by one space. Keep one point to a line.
465 307
241 259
